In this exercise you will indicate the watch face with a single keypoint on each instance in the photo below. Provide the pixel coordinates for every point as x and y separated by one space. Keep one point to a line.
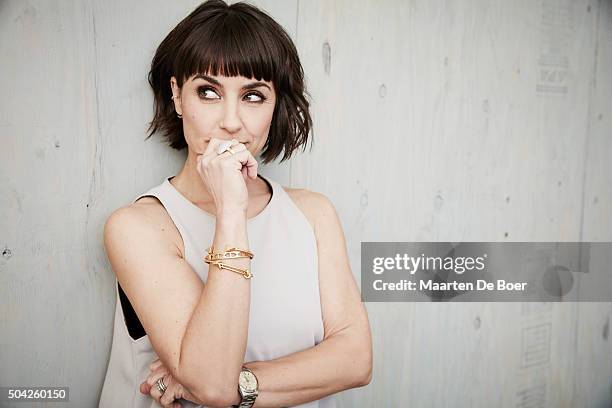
247 381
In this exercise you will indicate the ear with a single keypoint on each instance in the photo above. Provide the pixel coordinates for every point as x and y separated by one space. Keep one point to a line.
176 96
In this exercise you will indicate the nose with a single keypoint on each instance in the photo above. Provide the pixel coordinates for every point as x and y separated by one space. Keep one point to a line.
230 120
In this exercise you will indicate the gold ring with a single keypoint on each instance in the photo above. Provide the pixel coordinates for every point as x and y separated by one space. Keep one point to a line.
225 146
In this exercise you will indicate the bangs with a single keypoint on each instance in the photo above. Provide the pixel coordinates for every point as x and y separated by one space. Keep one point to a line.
229 45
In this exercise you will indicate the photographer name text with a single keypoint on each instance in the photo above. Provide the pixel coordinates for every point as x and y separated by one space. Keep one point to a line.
430 285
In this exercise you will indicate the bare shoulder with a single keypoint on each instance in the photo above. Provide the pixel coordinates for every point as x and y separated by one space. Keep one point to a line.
148 218
316 206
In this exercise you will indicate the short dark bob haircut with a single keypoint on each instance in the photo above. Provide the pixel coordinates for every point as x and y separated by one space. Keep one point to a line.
233 40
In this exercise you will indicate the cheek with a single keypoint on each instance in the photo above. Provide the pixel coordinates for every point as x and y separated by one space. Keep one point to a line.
197 124
259 122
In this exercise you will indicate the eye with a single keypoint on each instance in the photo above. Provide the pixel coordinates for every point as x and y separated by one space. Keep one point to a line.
257 97
205 92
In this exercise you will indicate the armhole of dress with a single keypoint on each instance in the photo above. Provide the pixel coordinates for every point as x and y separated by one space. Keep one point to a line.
132 323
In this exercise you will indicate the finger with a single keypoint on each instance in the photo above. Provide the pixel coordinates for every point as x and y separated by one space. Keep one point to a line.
234 159
212 154
247 161
244 158
155 364
172 393
153 389
155 393
213 145
239 147
253 168
145 388
251 165
156 375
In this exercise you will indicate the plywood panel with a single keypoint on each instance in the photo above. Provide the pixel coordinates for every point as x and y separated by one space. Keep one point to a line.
50 296
450 122
593 380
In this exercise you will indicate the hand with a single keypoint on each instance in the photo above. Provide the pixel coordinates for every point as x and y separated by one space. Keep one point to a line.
174 389
225 175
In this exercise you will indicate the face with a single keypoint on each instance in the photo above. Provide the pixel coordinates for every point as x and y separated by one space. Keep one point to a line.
225 108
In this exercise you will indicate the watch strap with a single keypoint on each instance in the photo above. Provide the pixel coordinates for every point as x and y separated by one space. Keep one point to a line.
247 401
248 398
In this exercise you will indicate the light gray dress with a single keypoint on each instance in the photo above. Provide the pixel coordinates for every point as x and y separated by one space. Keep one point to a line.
285 314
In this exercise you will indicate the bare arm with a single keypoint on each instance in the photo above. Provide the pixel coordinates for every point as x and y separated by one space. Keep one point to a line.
336 364
198 331
220 322
343 359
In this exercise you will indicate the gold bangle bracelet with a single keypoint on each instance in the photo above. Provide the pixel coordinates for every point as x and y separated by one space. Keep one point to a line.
215 258
225 255
244 272
229 253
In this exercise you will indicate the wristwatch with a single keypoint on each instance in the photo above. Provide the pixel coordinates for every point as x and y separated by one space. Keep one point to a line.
247 387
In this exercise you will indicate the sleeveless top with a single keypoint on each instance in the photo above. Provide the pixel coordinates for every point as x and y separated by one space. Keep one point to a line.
285 310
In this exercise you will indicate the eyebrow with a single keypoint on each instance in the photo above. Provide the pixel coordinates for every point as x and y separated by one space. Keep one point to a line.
213 81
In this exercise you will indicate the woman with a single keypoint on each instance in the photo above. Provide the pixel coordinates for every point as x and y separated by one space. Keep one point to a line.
231 289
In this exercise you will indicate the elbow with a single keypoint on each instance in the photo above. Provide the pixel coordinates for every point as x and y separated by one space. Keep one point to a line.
365 375
358 353
211 389
215 397
364 370
209 393
212 393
